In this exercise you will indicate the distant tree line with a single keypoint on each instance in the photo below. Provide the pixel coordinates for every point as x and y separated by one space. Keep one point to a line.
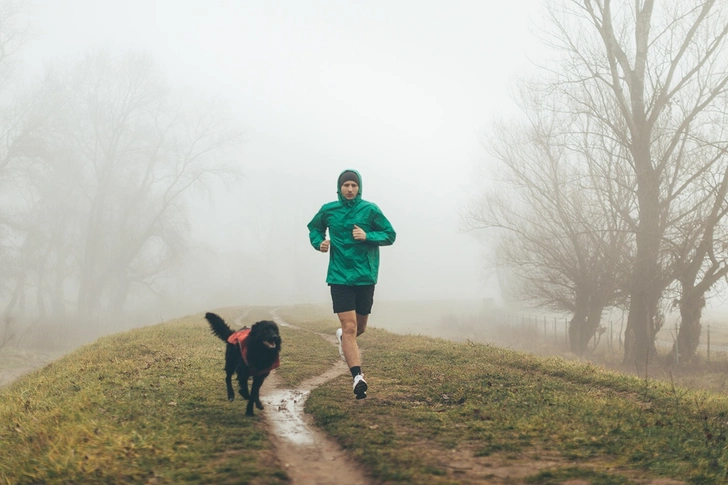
610 188
98 163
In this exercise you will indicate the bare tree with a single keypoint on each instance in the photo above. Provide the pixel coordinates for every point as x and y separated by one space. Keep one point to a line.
558 233
647 74
110 161
14 132
138 156
699 255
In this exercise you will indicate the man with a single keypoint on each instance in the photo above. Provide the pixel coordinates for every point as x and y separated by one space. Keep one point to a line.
356 229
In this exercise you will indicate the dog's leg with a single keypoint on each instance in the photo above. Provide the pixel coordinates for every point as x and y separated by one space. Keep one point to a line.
229 385
249 408
232 360
255 393
243 375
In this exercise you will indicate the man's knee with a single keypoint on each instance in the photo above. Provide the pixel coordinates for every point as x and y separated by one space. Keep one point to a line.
348 324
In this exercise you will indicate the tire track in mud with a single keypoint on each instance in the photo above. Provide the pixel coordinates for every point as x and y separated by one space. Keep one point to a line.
309 456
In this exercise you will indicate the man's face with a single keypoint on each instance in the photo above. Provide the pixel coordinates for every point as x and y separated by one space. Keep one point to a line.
349 189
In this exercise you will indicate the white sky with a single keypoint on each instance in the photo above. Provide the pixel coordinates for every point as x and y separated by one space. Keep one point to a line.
399 90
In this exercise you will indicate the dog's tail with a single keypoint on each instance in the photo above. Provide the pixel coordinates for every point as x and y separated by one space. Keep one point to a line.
218 326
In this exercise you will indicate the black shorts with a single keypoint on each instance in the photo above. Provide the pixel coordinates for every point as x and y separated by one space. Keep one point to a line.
348 298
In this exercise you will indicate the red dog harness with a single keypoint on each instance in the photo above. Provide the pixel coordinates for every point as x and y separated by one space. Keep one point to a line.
239 338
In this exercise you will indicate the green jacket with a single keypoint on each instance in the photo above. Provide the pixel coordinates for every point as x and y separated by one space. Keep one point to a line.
351 262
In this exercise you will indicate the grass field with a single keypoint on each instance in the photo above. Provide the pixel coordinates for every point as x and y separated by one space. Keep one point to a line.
148 406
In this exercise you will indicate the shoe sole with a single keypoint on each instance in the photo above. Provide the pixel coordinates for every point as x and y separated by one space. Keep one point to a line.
361 390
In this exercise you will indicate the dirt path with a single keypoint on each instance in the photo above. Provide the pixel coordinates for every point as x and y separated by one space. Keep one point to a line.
9 375
20 362
310 457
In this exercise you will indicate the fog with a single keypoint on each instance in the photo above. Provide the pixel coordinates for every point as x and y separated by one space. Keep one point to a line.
400 91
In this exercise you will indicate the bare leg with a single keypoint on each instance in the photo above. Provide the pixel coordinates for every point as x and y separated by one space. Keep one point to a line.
352 325
361 324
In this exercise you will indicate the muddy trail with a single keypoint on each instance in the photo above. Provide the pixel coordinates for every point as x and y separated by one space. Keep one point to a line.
309 456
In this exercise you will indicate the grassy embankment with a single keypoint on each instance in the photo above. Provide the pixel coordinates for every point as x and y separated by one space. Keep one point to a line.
149 405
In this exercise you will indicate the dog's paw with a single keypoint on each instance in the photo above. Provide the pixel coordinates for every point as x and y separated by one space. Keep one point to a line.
259 405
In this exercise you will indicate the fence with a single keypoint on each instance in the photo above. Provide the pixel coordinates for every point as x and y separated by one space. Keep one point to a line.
554 331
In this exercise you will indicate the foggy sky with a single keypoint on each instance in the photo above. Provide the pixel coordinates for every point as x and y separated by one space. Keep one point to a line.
400 91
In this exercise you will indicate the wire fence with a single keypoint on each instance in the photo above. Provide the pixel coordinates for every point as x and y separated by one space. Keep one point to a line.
553 331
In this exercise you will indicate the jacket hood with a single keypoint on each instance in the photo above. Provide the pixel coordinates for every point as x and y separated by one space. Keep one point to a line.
356 199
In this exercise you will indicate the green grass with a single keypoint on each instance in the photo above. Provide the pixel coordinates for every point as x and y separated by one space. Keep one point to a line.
429 397
303 356
150 405
143 405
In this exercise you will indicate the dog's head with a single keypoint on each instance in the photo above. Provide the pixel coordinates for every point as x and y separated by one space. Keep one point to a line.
266 332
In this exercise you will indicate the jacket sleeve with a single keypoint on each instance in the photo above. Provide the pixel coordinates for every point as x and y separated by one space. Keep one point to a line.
383 233
317 230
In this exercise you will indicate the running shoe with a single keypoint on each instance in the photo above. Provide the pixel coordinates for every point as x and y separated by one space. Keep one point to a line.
339 333
360 387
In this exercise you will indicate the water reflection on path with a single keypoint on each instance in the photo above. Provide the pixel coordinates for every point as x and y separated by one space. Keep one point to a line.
309 456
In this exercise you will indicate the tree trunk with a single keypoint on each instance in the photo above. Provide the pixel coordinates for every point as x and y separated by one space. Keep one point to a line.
7 320
583 327
91 286
120 296
646 288
688 337
576 331
584 324
592 322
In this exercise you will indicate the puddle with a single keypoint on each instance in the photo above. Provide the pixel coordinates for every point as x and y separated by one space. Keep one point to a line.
308 455
284 407
287 405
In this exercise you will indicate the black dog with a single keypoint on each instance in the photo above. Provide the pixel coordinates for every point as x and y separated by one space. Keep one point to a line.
250 352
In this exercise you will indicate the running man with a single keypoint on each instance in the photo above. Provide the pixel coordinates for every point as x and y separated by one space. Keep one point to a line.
356 229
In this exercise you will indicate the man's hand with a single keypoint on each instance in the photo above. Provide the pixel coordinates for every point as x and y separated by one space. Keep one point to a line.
359 233
324 248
